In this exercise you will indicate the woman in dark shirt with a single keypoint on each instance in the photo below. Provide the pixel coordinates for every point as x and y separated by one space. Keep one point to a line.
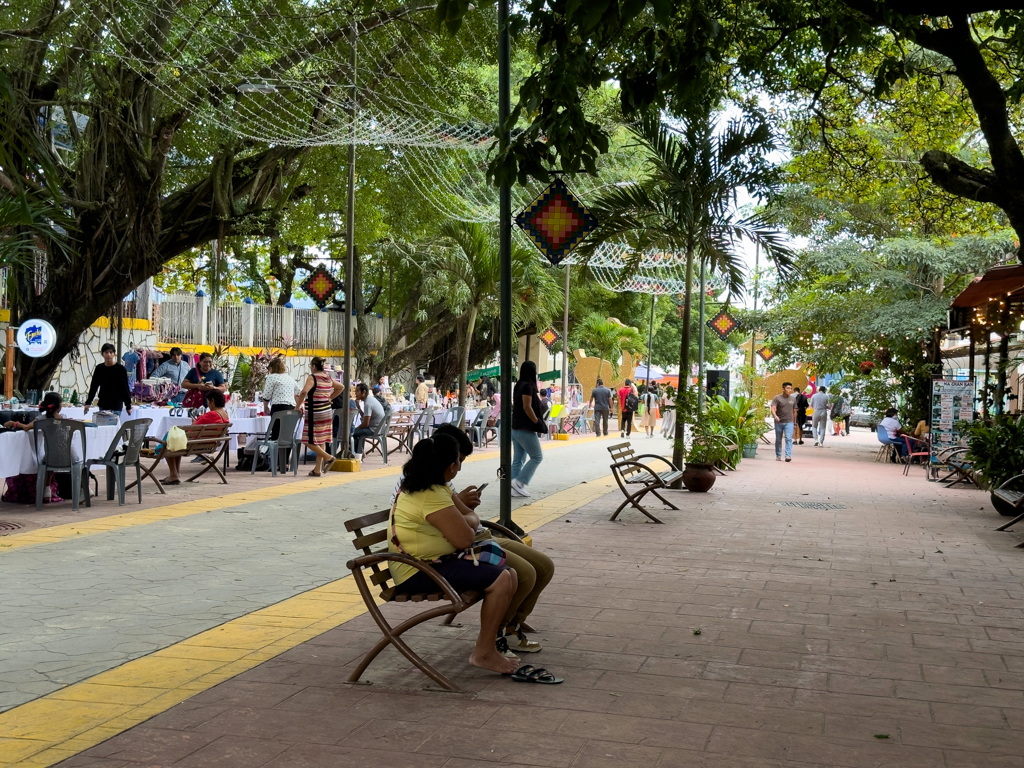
527 422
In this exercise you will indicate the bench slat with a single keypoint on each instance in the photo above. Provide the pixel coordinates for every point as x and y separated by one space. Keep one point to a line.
370 539
374 518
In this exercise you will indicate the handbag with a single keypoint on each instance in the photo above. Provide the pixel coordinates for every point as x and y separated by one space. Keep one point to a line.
195 398
486 551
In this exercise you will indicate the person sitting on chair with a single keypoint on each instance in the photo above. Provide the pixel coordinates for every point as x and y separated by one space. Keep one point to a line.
216 415
373 415
894 431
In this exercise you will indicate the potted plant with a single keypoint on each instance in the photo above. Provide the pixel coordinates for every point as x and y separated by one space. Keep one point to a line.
707 449
996 453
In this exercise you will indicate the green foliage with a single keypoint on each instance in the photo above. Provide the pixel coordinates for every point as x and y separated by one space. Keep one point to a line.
996 450
742 417
607 339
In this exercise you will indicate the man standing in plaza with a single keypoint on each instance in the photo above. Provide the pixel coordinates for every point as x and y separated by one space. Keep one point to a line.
782 411
819 420
628 402
601 402
421 393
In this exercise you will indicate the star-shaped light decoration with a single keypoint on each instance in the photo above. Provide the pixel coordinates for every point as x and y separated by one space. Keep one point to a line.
320 286
556 221
723 324
765 354
550 337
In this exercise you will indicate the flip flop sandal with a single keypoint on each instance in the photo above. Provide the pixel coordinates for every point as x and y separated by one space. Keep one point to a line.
170 482
314 474
528 674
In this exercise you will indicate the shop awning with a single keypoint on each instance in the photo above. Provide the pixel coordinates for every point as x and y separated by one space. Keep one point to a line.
995 284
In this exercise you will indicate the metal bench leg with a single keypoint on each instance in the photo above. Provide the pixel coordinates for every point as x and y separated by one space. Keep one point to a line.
664 500
634 500
1004 526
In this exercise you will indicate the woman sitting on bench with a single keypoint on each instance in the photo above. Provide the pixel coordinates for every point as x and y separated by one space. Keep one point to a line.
216 415
428 526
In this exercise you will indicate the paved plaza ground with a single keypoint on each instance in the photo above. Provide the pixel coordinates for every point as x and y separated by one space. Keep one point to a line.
881 626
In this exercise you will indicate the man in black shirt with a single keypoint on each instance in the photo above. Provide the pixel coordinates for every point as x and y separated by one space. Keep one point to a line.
110 380
601 402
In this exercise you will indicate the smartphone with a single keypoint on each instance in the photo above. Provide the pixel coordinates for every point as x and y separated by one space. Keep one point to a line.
481 488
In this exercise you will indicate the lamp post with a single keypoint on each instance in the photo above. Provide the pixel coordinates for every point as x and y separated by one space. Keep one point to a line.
350 251
565 343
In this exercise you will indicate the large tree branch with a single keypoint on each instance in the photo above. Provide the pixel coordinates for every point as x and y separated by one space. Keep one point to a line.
962 179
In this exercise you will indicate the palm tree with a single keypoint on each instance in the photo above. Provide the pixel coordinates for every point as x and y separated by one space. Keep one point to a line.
688 205
466 270
608 339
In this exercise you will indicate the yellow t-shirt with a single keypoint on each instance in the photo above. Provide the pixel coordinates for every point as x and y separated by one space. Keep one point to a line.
419 538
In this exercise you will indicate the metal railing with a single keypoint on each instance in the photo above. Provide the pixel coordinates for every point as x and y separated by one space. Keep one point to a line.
335 330
228 324
307 324
178 322
268 326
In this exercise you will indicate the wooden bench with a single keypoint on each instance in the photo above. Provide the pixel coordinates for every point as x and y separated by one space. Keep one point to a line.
371 570
629 470
1014 498
207 441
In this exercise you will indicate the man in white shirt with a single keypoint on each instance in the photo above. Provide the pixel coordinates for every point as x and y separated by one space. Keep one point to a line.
373 415
894 430
819 420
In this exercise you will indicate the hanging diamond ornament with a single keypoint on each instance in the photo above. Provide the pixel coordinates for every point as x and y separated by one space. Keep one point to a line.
556 221
765 354
550 337
723 324
321 286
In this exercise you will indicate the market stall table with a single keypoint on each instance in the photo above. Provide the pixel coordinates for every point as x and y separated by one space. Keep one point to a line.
18 453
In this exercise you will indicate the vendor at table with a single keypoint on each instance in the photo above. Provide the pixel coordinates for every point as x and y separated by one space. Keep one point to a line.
205 377
110 381
174 369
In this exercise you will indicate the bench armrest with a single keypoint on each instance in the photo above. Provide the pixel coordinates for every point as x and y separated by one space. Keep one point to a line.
367 560
1015 477
641 465
946 453
659 458
490 524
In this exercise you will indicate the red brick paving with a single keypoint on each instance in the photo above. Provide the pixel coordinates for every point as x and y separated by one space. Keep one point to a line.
820 632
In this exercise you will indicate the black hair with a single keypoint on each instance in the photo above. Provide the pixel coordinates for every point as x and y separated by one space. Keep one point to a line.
528 371
600 382
108 347
176 349
430 458
629 382
317 362
787 384
361 387
465 444
890 412
216 397
420 378
51 404
205 356
823 389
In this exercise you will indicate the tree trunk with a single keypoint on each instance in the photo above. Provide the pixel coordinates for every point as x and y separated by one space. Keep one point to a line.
464 353
682 396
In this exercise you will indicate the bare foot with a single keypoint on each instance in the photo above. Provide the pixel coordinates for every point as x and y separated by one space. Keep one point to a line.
494 662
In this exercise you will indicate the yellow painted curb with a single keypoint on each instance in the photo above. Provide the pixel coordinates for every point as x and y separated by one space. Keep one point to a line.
124 520
62 724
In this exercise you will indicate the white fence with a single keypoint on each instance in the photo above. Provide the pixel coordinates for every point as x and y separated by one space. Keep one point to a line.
187 319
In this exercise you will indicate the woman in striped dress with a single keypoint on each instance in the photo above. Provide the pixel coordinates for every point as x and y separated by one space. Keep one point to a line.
318 392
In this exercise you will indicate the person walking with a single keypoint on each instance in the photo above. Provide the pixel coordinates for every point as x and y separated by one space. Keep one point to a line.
801 402
601 402
649 419
838 404
318 392
628 403
819 419
526 424
783 406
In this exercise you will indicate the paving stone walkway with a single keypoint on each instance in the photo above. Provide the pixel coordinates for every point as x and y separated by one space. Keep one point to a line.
888 631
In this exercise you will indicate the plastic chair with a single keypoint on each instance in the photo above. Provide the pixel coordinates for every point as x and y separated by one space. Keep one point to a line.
377 441
58 435
476 429
125 451
424 422
888 447
456 415
287 422
916 447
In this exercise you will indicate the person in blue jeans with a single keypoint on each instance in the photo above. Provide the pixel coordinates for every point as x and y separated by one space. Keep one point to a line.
527 422
783 406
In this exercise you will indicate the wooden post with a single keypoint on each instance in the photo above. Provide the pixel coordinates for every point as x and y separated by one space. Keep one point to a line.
9 365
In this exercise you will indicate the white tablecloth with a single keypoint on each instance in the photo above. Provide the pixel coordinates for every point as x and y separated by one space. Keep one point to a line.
18 454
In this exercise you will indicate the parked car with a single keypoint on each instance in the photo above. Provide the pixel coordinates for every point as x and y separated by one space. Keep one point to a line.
862 417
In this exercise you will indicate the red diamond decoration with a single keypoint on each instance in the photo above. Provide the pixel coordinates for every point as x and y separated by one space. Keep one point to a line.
723 324
765 354
321 286
550 337
556 221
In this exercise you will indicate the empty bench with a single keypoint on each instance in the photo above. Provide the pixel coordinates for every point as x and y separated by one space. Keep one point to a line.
628 471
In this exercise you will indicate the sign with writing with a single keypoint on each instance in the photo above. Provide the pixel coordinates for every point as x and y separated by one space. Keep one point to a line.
952 403
36 338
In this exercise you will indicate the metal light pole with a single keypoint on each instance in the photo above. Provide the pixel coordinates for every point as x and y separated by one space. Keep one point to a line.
565 342
350 251
650 344
505 257
753 332
700 336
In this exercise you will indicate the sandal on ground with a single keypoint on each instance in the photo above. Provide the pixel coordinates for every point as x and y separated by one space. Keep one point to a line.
327 464
528 674
170 482
313 474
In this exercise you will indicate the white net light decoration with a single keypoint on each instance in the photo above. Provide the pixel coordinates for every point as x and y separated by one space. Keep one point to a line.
619 268
278 72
